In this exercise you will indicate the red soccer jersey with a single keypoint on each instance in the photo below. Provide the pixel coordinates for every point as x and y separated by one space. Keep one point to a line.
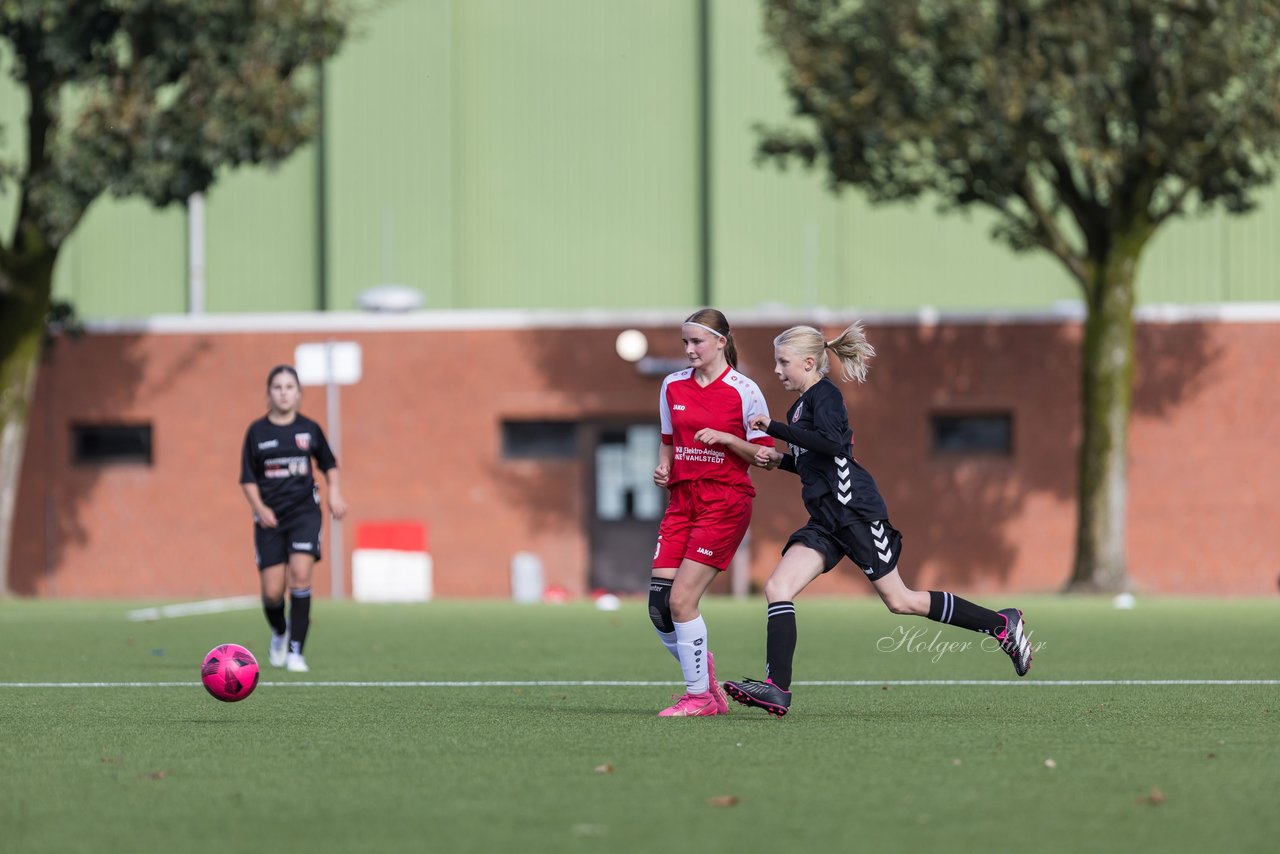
725 404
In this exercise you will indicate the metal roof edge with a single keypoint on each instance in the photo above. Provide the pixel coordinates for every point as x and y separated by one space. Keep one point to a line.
780 316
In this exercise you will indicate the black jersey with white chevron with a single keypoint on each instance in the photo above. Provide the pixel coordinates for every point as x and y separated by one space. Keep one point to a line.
835 487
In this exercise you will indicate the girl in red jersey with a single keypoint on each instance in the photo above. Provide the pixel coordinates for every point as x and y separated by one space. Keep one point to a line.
707 449
275 474
847 516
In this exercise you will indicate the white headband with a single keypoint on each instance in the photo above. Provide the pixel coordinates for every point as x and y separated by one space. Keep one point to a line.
715 332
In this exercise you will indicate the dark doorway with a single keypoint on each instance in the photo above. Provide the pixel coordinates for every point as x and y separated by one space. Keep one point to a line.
625 506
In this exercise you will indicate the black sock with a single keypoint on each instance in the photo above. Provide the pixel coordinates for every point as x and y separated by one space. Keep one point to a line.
951 609
299 617
275 615
780 648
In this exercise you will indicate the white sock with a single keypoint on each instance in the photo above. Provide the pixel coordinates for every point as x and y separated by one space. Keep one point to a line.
691 643
669 641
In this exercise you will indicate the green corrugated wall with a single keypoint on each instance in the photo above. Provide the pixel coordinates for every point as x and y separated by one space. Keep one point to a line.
390 156
575 144
125 259
260 227
545 153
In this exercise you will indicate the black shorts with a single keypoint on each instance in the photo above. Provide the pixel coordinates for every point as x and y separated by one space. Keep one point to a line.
296 533
873 546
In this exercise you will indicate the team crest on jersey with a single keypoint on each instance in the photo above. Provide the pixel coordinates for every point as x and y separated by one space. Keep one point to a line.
303 440
799 408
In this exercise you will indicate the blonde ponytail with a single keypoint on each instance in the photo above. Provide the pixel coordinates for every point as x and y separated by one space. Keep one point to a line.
850 348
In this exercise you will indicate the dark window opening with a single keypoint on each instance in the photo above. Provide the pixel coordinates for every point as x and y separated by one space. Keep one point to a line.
539 440
103 444
973 434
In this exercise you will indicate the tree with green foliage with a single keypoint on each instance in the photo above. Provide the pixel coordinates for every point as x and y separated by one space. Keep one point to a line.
1085 125
149 98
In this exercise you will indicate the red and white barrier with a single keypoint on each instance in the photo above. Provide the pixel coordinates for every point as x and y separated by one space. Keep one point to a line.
391 562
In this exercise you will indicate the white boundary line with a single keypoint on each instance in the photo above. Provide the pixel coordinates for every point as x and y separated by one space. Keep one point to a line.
186 609
569 683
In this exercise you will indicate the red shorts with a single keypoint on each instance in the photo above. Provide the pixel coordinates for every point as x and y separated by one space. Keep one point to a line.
705 522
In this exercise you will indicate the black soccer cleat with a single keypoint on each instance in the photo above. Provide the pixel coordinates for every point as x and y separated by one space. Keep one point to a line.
1013 640
763 695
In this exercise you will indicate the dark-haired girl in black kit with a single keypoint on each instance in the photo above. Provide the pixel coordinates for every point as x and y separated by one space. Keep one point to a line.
275 474
847 516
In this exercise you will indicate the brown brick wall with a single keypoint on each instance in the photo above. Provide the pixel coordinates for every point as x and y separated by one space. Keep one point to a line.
421 440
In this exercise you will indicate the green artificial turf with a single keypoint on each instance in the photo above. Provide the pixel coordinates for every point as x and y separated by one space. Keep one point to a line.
875 766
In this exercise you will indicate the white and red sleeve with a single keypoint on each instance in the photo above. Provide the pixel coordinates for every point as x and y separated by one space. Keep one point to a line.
752 405
664 410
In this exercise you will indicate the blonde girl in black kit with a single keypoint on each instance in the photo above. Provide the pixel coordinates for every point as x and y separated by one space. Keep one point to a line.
847 516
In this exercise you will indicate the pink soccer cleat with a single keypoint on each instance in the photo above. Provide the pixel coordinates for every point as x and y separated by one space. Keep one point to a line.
722 702
692 706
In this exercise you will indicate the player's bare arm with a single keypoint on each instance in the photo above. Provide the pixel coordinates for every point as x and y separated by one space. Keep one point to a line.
767 458
662 474
744 449
337 505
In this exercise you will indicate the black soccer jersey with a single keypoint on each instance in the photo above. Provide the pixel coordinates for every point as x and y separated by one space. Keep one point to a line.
836 489
278 457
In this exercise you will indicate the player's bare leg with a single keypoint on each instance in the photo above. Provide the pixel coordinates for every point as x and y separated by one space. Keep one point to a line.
899 598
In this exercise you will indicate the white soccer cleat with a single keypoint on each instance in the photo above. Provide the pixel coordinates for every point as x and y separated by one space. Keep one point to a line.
279 650
296 663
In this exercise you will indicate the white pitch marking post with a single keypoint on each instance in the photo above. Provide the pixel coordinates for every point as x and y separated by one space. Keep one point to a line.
333 363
